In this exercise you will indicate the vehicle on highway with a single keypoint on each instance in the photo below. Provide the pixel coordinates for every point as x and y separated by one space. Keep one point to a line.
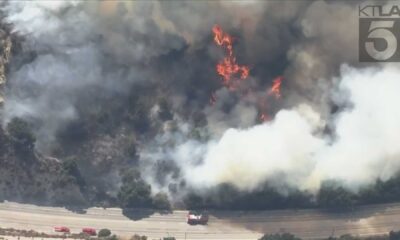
61 229
194 218
89 231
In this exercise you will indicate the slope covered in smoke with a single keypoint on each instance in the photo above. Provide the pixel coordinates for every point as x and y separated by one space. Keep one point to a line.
201 94
293 149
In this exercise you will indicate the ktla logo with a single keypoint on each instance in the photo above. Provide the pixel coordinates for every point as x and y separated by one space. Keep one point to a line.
379 33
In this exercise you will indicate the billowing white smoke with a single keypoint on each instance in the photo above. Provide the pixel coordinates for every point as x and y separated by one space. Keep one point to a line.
367 142
294 150
79 51
248 156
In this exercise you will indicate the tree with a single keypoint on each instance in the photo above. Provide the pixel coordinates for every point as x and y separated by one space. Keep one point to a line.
161 201
21 136
225 196
394 235
166 168
283 236
335 197
104 232
70 167
114 237
194 201
134 192
265 198
138 237
349 237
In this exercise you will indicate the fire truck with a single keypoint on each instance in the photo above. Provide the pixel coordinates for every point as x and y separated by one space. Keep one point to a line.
62 229
194 218
89 231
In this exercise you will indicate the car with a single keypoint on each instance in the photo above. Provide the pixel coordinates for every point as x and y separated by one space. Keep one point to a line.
194 218
62 229
89 231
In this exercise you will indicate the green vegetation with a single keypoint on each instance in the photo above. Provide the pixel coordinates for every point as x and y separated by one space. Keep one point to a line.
194 201
138 237
393 235
228 197
332 196
70 167
32 234
104 232
283 236
161 202
287 236
21 136
134 192
112 237
19 140
350 237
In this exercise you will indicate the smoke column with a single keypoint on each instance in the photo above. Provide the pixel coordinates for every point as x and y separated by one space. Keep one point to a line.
293 150
298 59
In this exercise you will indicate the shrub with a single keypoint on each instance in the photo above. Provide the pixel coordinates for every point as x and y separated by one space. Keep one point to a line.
283 236
193 201
21 136
335 197
113 237
70 167
160 201
134 192
138 237
104 232
394 235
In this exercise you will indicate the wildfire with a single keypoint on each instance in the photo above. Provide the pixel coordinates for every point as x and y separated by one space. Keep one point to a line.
276 87
228 69
232 74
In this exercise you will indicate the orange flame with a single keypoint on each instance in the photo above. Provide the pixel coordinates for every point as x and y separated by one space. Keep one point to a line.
276 87
232 74
228 69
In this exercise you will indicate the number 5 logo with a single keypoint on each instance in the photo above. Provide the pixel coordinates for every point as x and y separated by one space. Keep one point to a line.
380 30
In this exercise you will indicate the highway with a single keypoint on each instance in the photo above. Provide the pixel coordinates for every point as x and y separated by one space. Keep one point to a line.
308 224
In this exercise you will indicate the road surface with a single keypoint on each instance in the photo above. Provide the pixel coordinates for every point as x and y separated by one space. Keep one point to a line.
309 224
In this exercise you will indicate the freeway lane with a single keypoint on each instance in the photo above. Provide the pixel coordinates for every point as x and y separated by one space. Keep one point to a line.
155 226
309 224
